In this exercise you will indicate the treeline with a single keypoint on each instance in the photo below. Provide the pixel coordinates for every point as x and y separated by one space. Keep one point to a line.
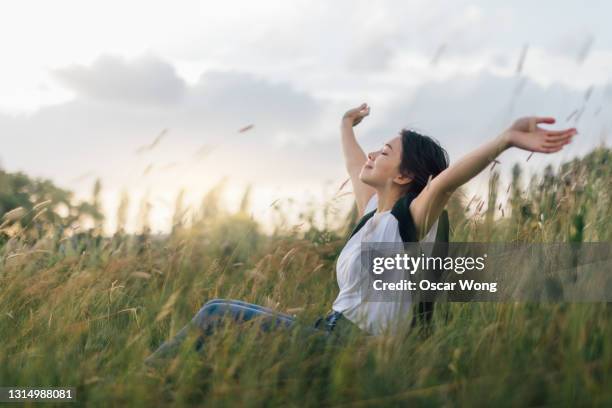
33 208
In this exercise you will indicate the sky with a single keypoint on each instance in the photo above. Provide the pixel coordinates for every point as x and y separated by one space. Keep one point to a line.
85 85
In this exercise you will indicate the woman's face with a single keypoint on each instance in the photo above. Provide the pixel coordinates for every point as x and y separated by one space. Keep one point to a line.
382 166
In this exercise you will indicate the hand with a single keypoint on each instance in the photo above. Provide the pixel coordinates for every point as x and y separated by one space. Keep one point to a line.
527 135
355 115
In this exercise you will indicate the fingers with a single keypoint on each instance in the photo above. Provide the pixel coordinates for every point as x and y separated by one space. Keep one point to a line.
555 140
559 138
555 146
561 133
360 108
358 113
545 119
363 111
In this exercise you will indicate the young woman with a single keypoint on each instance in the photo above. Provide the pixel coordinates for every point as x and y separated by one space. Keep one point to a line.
400 190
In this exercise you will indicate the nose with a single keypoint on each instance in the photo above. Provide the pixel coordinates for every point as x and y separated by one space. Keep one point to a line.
371 156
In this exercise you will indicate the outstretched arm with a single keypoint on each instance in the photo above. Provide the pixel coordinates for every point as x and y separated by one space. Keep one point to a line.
354 156
524 133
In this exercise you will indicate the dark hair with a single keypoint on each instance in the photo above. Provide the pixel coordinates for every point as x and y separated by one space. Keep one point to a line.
422 157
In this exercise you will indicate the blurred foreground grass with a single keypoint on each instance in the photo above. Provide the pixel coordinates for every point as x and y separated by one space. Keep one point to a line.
85 315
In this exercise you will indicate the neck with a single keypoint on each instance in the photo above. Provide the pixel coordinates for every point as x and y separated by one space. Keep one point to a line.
387 197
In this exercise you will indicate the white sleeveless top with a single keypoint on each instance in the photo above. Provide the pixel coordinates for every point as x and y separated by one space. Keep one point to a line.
373 317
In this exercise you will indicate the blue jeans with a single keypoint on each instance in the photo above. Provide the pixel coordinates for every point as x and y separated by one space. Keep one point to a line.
217 310
213 311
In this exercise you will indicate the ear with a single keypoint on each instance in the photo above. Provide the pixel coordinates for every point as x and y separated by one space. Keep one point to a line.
403 179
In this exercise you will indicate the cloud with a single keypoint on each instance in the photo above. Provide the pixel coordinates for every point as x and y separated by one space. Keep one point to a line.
143 80
371 57
121 104
239 98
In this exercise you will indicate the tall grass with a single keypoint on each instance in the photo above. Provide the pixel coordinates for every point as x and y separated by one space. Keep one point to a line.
87 315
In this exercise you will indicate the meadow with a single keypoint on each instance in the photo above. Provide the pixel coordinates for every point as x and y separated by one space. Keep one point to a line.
86 312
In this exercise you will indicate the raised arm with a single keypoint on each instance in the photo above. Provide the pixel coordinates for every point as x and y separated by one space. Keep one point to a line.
524 134
354 156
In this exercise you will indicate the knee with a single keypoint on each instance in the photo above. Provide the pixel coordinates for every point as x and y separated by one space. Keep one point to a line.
213 312
215 301
211 308
205 313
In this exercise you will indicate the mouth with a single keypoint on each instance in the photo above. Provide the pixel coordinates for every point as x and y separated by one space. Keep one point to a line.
367 166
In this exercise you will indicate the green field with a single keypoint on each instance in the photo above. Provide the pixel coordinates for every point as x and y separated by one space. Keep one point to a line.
85 313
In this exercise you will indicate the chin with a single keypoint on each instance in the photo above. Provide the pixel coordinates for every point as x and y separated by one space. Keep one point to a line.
364 179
